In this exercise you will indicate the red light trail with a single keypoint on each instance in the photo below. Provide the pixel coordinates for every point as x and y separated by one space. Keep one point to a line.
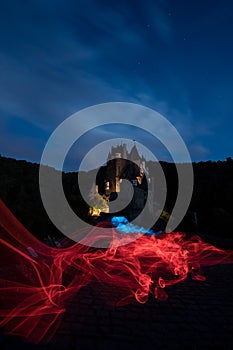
36 280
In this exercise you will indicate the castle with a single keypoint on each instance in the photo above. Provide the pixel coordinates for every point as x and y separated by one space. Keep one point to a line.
122 165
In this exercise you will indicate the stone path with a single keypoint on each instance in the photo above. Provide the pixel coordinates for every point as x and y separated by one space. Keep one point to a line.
197 315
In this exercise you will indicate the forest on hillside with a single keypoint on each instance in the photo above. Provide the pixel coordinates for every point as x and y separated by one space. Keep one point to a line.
210 211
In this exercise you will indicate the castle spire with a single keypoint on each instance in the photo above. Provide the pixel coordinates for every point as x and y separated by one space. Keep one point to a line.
134 155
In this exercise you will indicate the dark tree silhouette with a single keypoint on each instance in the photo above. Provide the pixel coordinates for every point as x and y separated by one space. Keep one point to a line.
210 211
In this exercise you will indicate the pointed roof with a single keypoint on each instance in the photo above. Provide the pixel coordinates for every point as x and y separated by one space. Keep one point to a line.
109 156
124 151
134 153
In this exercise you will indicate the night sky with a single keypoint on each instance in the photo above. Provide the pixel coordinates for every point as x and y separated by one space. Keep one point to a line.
58 57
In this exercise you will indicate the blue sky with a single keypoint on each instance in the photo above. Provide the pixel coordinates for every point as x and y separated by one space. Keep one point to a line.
61 56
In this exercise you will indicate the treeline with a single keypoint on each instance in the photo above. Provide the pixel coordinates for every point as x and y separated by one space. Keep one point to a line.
19 190
211 208
210 211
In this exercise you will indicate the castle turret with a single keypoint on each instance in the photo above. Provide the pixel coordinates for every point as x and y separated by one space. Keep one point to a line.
134 156
124 151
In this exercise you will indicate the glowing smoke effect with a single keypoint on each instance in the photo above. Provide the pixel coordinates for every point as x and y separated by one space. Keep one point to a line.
36 280
123 226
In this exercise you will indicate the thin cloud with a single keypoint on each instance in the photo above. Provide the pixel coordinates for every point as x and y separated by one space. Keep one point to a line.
54 63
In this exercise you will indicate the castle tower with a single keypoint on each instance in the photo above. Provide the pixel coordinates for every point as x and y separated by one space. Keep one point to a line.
134 156
124 151
118 171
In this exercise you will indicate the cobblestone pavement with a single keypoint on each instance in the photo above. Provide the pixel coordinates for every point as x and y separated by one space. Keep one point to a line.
197 315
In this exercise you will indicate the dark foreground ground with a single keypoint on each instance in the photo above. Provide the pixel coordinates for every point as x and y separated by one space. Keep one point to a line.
197 315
